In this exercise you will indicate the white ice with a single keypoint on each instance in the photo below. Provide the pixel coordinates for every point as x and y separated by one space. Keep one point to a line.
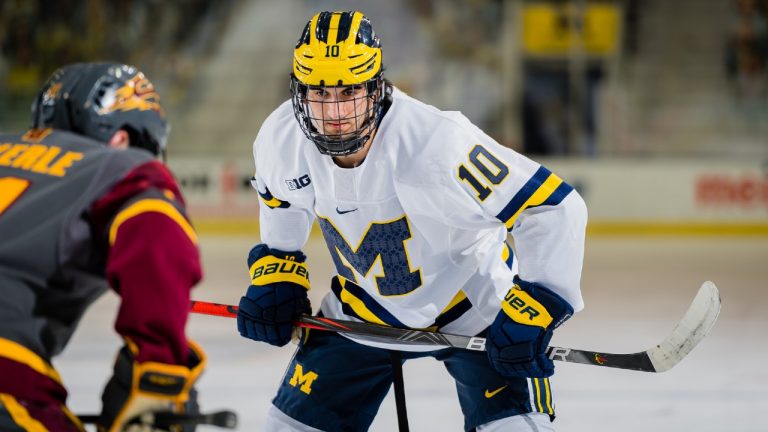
635 290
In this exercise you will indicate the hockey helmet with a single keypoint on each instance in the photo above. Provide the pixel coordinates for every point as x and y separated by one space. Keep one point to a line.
338 49
98 99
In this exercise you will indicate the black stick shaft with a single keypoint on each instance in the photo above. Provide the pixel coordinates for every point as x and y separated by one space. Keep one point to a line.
399 388
222 419
696 323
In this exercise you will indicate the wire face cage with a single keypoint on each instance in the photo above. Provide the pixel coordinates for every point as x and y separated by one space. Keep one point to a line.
339 119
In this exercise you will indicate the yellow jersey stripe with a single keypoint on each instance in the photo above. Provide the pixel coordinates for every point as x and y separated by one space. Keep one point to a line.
20 415
151 205
542 193
272 202
359 304
21 354
73 418
458 298
360 308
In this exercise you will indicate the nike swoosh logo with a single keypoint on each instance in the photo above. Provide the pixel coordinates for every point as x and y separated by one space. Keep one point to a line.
344 211
490 394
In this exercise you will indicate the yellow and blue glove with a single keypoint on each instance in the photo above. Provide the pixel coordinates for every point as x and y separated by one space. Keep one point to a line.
519 336
276 297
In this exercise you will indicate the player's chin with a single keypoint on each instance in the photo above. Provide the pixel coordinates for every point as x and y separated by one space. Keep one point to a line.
338 132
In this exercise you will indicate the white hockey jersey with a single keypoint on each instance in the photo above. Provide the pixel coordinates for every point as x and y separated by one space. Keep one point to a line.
421 225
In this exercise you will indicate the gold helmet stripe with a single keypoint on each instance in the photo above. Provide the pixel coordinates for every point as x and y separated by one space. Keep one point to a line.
333 28
314 42
330 53
357 17
368 65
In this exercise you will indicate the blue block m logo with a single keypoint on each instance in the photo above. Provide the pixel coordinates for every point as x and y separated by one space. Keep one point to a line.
383 242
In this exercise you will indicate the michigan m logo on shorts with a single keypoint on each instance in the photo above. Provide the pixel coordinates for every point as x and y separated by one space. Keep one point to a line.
303 380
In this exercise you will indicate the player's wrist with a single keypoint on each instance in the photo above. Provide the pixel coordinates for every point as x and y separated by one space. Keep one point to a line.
533 304
271 266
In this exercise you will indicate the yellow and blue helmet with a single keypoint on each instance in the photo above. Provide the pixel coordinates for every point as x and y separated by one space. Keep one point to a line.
338 49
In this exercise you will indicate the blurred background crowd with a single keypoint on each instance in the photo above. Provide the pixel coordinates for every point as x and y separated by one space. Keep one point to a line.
167 40
560 77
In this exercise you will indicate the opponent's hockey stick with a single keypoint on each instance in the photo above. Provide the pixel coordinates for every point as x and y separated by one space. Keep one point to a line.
696 323
166 420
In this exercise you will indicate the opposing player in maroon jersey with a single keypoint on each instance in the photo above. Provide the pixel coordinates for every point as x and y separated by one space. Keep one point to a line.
85 206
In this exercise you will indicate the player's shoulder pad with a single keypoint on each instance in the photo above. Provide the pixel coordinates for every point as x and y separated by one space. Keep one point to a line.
279 138
425 143
151 179
280 152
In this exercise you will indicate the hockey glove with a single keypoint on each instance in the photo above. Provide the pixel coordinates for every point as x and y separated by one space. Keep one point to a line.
276 297
519 336
136 389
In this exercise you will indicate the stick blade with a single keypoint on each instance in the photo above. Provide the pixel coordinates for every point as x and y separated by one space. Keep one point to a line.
695 325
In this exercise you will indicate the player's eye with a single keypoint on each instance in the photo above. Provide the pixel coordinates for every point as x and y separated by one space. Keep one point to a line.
351 91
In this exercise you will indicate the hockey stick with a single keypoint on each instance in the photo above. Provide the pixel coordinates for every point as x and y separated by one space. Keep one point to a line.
691 329
166 420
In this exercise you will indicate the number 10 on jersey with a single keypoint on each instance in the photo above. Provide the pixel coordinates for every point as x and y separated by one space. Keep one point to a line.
490 167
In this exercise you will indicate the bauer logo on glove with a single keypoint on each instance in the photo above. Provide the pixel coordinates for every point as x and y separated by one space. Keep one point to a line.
162 382
270 269
522 308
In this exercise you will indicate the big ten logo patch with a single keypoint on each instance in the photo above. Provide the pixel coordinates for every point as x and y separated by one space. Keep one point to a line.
298 183
302 380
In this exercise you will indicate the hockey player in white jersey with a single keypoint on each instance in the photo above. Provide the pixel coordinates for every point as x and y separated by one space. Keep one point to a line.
415 205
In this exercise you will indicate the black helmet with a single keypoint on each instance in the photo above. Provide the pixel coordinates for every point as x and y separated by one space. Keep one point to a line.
97 99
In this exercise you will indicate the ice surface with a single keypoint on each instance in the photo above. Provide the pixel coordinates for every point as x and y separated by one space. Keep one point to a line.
635 291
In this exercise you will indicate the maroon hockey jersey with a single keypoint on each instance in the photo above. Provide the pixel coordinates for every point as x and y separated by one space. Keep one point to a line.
78 217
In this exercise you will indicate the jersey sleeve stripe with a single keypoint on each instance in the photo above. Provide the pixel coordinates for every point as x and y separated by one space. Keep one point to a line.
151 205
357 303
557 196
20 415
543 188
272 202
508 255
21 354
